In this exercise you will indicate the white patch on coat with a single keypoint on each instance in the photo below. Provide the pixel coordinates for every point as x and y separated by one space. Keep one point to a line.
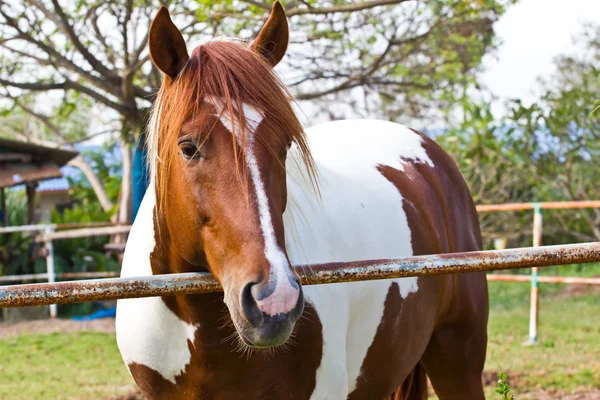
359 216
148 332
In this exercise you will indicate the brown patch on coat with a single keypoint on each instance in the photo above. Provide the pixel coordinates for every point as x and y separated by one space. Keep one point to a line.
442 219
217 371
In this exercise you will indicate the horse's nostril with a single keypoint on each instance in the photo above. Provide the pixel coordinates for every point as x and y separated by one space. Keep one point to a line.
296 283
247 299
248 303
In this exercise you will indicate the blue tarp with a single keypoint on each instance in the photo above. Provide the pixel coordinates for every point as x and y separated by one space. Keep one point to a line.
104 313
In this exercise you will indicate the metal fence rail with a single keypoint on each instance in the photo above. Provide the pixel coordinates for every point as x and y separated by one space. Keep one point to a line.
537 207
194 283
79 230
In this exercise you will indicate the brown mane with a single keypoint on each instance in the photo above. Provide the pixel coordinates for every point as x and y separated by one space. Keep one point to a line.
237 75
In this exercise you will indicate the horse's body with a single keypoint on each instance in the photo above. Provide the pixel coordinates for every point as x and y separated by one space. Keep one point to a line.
385 192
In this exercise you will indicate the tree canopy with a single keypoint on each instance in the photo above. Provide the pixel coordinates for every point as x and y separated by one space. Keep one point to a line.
545 151
406 56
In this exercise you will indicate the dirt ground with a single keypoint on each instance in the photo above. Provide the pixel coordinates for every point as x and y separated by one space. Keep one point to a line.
106 325
575 290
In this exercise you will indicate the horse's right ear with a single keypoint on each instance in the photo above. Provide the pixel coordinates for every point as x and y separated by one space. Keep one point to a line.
167 47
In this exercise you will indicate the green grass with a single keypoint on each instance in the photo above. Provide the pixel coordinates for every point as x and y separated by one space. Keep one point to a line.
88 365
85 365
568 356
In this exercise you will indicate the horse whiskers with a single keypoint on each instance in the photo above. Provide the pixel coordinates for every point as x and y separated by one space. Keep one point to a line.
247 351
225 322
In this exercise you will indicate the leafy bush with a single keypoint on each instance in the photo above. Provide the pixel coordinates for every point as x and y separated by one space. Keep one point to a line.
17 249
18 252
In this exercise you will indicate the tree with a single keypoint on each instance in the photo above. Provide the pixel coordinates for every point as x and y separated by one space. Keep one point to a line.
387 58
546 151
84 50
494 165
562 137
390 59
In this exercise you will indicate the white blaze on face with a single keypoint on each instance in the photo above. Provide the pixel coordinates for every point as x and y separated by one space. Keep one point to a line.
284 296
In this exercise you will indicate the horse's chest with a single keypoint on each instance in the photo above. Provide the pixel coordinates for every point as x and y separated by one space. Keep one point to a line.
169 359
334 348
264 381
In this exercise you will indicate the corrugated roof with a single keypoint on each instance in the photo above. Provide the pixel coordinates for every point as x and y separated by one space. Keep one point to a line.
40 154
53 185
11 175
22 162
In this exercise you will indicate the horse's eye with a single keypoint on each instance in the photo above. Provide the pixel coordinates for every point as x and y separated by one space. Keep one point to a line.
189 150
285 150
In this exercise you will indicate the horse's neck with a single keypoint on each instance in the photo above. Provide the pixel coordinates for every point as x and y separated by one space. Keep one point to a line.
149 252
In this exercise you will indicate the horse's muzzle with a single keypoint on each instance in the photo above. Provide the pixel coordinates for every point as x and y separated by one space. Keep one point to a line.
271 312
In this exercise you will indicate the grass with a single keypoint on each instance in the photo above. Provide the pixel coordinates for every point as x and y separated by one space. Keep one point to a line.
88 365
568 356
85 365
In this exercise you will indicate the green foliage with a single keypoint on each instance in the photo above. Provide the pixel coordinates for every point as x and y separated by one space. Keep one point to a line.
18 253
66 121
108 174
492 161
333 50
596 108
87 254
503 387
16 249
545 151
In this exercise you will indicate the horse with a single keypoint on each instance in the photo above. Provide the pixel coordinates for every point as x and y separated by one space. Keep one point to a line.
240 189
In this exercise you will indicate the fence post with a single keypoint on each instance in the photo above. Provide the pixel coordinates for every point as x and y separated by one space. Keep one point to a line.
535 284
50 265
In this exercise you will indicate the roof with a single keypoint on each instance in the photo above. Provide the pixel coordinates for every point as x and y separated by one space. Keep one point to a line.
26 162
39 153
53 185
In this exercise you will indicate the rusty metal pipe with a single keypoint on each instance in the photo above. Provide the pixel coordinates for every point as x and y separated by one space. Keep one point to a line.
543 279
195 283
556 205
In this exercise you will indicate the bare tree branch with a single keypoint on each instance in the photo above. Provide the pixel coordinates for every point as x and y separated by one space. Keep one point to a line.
64 24
67 85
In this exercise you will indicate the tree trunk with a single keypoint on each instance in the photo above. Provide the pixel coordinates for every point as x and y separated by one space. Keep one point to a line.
80 163
30 189
3 209
125 198
123 214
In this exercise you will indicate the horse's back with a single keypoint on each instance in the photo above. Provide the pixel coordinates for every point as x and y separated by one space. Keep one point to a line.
386 191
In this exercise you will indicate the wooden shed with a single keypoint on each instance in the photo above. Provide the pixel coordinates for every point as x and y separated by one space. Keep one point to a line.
27 164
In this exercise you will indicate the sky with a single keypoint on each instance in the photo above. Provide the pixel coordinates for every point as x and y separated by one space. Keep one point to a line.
533 32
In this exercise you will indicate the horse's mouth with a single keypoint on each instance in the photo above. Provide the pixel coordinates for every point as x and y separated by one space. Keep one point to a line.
269 331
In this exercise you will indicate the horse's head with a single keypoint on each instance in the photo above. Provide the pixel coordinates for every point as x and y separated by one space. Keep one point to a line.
222 127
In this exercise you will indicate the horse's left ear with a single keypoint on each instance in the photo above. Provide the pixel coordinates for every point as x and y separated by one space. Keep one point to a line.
167 47
272 41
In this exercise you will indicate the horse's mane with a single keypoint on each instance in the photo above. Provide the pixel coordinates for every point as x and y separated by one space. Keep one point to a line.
235 74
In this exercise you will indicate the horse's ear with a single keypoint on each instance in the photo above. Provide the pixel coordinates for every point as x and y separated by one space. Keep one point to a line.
167 47
272 41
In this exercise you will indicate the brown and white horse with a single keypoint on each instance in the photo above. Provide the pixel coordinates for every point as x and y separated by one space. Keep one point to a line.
240 190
